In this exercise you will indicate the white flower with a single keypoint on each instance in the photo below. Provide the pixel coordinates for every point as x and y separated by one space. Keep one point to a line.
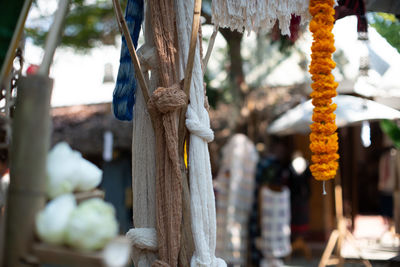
67 171
92 225
51 222
89 175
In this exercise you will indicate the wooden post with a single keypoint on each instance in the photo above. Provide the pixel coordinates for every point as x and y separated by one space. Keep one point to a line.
341 223
29 147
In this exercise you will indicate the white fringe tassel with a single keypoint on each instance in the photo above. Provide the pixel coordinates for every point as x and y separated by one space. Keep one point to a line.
258 15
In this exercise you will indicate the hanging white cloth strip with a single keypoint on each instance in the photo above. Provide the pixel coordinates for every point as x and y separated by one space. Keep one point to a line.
198 123
258 15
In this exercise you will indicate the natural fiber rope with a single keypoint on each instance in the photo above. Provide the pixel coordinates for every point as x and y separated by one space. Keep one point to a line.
142 240
198 123
164 107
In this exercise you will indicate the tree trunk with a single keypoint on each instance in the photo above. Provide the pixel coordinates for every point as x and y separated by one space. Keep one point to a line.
236 76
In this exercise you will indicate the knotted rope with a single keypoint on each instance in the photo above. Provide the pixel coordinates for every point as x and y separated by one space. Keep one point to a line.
164 107
143 240
198 123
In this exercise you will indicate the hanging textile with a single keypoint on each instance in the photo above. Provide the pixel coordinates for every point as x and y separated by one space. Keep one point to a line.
275 222
144 236
353 7
235 186
258 15
125 88
164 106
198 123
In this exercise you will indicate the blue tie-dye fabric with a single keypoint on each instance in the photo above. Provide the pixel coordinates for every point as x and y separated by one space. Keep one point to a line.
125 88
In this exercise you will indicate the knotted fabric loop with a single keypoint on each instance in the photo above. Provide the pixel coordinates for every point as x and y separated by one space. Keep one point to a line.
143 238
196 127
168 99
144 241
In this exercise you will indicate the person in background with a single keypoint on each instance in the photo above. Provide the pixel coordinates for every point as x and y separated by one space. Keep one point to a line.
272 171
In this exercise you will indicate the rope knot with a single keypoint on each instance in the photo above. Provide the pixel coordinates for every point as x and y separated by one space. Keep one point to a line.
143 238
167 99
198 128
144 241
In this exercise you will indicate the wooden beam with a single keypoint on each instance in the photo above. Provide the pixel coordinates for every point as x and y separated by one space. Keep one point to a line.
60 255
116 254
82 196
329 248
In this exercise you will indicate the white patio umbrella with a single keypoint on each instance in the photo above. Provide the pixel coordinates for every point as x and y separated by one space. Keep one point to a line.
350 110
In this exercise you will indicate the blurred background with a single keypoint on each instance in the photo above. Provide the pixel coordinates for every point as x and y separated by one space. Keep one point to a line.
252 80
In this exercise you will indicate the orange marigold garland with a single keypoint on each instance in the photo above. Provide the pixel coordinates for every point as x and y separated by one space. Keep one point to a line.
323 137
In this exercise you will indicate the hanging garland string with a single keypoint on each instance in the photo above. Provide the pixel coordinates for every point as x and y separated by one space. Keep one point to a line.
323 137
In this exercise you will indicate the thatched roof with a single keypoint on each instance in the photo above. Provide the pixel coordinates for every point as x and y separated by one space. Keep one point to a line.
83 128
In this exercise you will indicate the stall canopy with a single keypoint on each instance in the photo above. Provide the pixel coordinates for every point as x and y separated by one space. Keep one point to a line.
350 110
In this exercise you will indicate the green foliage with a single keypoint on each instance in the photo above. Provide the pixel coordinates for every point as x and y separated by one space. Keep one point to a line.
389 27
392 130
9 13
86 26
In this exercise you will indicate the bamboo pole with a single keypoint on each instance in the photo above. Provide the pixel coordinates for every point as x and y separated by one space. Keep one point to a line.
189 70
30 143
54 36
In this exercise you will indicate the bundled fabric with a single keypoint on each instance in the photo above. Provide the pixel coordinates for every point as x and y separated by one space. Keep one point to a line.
198 123
275 222
235 186
125 88
164 106
258 15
